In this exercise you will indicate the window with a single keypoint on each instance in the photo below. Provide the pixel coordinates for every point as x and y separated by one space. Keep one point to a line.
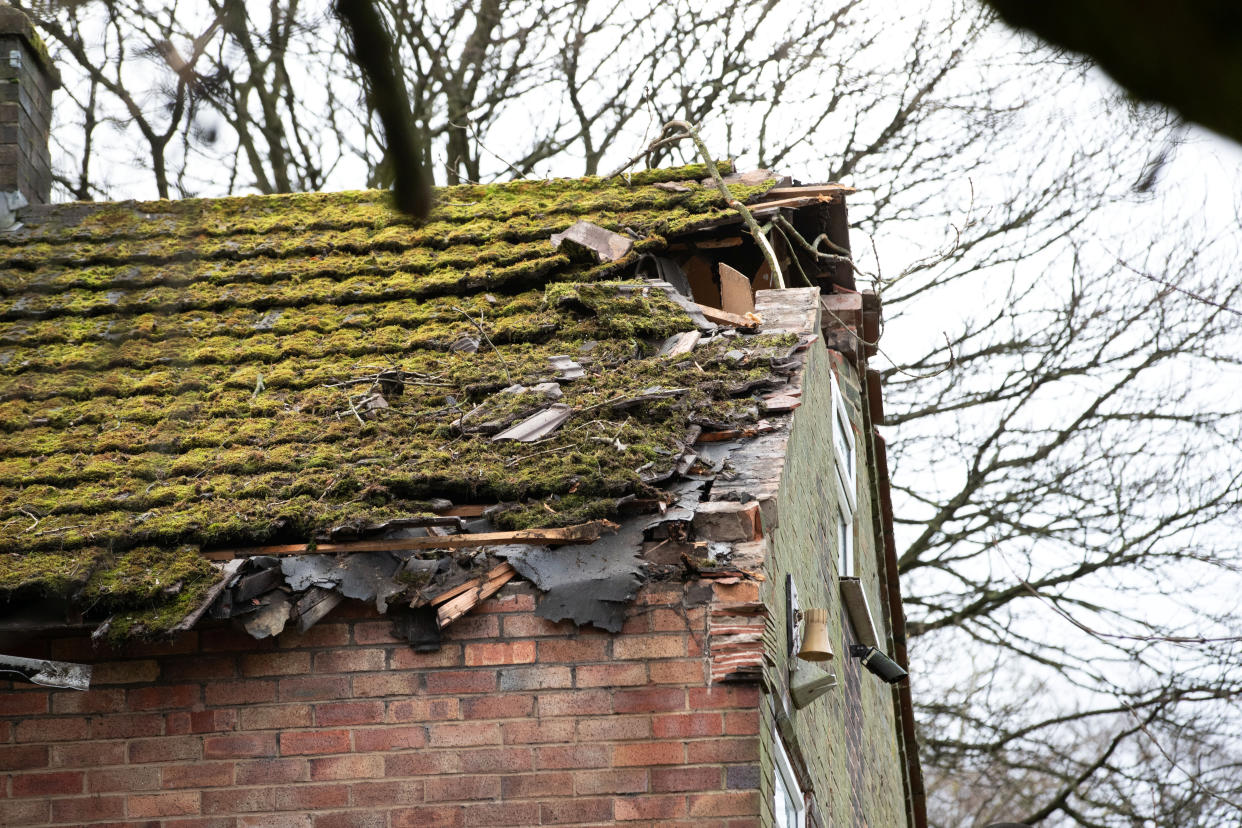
843 444
845 542
790 804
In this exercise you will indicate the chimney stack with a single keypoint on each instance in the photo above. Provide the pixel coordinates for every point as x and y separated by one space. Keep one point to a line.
27 79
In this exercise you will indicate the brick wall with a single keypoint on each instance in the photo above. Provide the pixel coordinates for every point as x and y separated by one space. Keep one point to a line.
516 721
25 110
845 741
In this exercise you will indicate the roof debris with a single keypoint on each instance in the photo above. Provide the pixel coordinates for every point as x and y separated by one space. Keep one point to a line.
603 245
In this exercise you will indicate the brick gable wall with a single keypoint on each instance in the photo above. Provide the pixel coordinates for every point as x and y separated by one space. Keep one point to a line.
516 721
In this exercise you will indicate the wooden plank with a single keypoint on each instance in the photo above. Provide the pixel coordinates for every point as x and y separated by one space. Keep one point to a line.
810 190
581 533
728 241
732 320
494 572
462 604
466 510
735 291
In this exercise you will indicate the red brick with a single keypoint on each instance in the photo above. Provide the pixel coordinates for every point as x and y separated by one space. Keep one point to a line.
422 763
239 745
501 652
649 807
577 809
389 738
575 703
385 794
124 672
746 822
25 811
724 696
127 725
351 819
461 788
51 730
163 696
276 717
746 592
186 642
536 731
499 814
375 632
686 725
561 757
271 821
165 749
573 650
643 647
614 781
211 667
690 671
103 700
515 602
180 723
351 660
741 723
86 754
276 663
648 753
404 658
23 757
655 595
722 750
444 816
611 675
529 626
724 804
310 688
88 808
541 677
272 771
164 804
310 797
31 703
368 685
676 620
668 780
238 800
366 766
245 691
496 760
348 713
614 728
536 785
294 743
320 635
461 681
197 775
649 700
475 626
507 706
46 784
123 779
637 622
463 734
428 710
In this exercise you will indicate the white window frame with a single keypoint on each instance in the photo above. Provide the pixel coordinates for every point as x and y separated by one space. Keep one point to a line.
843 437
786 790
846 565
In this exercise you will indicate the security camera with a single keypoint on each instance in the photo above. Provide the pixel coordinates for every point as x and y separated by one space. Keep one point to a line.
809 682
878 663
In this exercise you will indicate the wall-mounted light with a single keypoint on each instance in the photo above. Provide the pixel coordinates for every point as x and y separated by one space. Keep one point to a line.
878 663
815 646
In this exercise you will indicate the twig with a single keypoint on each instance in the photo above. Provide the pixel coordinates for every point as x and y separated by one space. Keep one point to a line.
1180 290
469 127
479 326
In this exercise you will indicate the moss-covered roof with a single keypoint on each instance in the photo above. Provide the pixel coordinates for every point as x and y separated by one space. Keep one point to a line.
191 374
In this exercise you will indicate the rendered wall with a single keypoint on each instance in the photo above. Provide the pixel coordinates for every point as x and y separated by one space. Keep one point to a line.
846 741
516 721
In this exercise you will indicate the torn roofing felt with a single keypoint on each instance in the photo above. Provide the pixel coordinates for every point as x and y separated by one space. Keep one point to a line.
183 376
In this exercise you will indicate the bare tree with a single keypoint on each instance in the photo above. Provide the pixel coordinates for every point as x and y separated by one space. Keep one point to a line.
1066 470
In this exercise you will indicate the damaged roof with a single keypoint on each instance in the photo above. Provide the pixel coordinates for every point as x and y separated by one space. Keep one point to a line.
181 377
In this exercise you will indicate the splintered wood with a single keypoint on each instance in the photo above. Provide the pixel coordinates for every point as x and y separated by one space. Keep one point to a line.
459 600
580 533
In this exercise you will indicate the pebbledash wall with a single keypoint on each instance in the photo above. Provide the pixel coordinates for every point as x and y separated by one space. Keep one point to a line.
516 721
843 745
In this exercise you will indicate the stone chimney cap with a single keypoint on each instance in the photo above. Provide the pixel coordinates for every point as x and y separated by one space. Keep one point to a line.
14 22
